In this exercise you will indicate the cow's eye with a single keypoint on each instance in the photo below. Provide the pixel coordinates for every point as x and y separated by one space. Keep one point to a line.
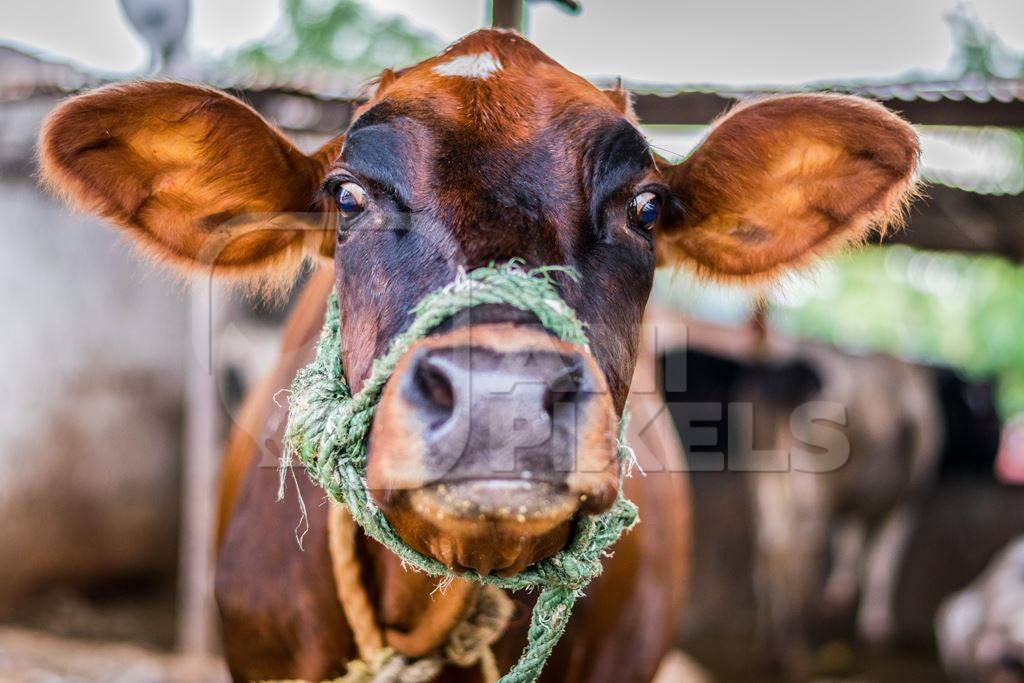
644 210
351 199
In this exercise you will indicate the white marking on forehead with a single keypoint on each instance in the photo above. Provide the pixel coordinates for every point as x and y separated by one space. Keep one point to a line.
479 65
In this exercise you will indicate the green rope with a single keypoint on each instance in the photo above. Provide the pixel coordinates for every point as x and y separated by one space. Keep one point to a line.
328 429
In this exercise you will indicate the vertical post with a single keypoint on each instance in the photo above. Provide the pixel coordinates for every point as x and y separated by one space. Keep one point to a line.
196 630
202 438
507 14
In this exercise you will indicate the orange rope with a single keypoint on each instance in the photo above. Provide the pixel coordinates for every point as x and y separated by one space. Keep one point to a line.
468 644
341 535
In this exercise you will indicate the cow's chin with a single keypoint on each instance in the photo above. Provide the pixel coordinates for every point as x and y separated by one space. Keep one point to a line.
494 526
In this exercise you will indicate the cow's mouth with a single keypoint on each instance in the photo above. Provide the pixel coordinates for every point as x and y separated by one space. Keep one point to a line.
494 500
497 526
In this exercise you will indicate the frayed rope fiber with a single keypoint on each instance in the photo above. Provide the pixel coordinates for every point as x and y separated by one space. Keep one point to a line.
328 429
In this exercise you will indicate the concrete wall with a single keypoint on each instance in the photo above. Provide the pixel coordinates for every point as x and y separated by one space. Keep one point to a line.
93 345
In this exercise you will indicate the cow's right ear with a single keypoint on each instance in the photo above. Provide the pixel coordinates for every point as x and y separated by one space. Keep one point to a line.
198 179
783 180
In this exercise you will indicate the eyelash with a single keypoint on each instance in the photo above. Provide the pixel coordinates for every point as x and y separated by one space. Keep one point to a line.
664 194
373 189
331 184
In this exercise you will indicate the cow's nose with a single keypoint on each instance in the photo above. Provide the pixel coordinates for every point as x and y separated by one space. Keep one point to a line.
488 414
489 439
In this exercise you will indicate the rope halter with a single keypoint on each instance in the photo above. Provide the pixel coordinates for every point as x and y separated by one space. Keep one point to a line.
328 429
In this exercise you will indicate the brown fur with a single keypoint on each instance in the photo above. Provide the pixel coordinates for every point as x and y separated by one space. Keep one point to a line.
245 443
195 176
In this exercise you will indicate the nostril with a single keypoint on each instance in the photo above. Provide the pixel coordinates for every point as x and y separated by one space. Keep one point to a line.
434 394
563 389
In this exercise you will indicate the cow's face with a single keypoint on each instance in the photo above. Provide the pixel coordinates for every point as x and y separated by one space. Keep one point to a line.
491 435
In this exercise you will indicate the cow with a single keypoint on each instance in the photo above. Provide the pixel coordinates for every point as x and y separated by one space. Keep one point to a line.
830 549
848 502
487 152
835 451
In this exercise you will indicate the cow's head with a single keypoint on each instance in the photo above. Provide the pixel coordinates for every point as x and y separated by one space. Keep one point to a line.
491 435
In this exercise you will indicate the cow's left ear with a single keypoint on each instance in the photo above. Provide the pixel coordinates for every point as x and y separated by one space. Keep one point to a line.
781 180
194 176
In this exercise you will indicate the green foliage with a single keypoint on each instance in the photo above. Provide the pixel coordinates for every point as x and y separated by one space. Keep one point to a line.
960 310
337 35
956 309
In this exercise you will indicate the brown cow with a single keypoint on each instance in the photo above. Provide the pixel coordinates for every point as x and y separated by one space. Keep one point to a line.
487 152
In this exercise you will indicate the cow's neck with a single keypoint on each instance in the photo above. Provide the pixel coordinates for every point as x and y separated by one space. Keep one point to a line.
279 605
414 613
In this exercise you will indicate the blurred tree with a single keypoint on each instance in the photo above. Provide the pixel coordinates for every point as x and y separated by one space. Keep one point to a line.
955 309
977 50
336 35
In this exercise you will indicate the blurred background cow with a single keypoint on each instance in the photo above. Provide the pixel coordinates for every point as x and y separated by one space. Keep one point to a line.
981 628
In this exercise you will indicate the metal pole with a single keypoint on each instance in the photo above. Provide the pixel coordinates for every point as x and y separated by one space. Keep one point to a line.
196 618
507 14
